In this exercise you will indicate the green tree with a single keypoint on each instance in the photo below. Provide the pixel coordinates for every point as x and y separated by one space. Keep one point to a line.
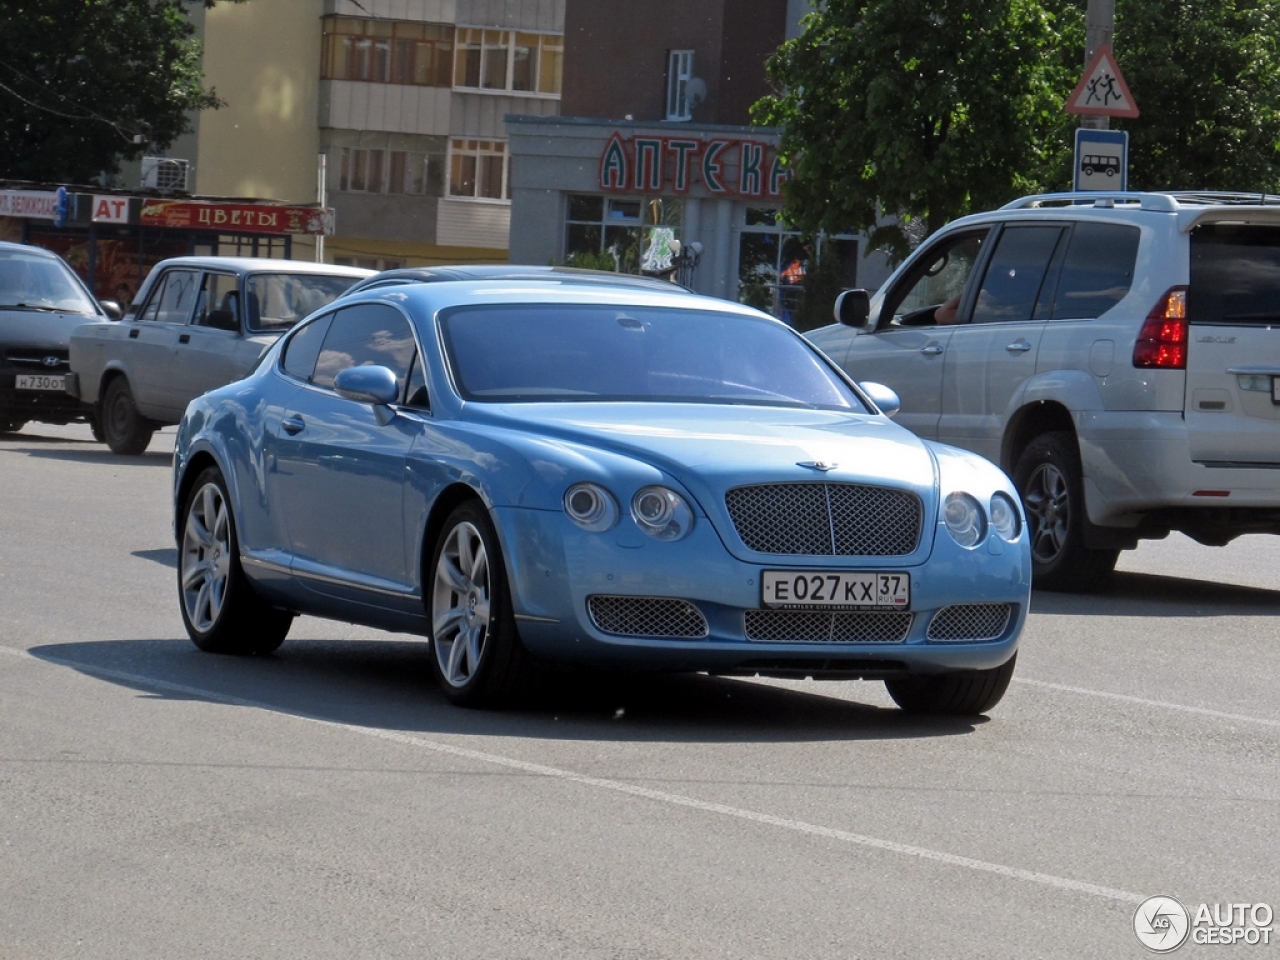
927 109
1206 79
87 83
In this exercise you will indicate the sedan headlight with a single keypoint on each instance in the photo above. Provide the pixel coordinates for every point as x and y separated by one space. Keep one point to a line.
964 519
1004 517
591 507
661 513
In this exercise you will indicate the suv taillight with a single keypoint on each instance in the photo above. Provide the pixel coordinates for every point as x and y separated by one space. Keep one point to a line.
1162 341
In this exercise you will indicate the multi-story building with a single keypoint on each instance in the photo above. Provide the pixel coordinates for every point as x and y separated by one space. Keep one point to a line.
391 110
654 143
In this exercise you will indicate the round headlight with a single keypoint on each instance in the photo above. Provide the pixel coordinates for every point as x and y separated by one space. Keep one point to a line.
1004 516
964 519
661 513
591 506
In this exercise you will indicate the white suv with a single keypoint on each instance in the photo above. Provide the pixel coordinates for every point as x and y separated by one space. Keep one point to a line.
1117 354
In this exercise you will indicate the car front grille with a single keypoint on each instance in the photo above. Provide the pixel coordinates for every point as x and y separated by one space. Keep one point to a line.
826 519
658 617
39 359
970 621
809 626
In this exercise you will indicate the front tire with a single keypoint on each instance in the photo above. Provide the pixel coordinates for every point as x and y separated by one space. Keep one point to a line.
477 655
1049 478
220 609
961 693
11 426
126 431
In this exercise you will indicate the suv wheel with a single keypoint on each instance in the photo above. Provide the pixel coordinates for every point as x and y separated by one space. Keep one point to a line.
1049 477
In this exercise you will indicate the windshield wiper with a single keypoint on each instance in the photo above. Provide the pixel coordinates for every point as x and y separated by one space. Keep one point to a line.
30 306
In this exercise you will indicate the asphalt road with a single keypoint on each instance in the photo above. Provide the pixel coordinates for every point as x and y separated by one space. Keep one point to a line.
327 802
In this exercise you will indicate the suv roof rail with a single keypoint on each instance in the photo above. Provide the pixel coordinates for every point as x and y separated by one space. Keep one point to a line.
1163 202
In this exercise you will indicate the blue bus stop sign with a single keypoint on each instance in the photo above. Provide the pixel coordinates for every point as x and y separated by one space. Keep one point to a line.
1101 160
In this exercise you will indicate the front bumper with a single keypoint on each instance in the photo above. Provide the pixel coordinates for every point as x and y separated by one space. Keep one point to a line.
563 578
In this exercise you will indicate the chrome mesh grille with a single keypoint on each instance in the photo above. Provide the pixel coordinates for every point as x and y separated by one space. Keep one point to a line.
970 621
826 519
816 626
647 617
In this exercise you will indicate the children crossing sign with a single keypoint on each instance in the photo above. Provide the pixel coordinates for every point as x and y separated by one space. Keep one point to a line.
1102 91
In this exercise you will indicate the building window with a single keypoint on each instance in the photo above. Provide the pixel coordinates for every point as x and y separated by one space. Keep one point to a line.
505 61
679 73
614 233
387 51
369 263
774 267
389 171
478 169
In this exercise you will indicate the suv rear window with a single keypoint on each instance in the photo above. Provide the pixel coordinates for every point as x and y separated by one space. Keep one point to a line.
1097 270
1235 274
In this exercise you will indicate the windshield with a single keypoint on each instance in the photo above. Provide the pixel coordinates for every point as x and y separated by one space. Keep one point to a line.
541 352
34 282
279 300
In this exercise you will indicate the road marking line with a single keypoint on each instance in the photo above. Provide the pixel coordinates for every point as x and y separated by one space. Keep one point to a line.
1143 702
616 786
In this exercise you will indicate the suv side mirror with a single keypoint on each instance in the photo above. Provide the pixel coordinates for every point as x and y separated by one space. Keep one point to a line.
853 308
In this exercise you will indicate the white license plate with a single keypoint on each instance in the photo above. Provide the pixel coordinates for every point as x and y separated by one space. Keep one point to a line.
834 590
27 381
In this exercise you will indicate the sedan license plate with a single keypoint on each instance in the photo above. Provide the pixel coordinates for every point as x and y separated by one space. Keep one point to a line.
27 381
790 589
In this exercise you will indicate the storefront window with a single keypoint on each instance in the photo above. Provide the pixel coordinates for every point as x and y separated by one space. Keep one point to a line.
614 233
790 276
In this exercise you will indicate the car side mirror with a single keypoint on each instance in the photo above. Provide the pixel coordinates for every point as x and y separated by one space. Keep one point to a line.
886 398
111 308
369 384
853 308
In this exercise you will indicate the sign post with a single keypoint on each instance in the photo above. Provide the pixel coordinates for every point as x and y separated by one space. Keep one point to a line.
1101 155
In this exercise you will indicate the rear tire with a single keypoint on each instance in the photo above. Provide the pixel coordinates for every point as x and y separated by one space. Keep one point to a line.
126 431
477 655
1051 483
961 693
11 426
220 609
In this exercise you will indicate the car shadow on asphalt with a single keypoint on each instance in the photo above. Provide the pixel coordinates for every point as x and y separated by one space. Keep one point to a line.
1150 595
388 685
99 453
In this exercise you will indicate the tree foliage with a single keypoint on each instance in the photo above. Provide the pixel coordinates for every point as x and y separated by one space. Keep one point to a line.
930 109
921 108
87 83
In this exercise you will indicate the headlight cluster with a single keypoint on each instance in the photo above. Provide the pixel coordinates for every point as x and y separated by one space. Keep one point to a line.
967 522
659 511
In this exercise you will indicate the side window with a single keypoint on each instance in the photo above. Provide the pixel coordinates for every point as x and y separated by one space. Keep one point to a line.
366 333
938 277
219 303
415 394
173 298
303 347
1097 271
1016 273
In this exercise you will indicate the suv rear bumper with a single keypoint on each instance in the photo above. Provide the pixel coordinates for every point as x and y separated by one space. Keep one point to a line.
1139 462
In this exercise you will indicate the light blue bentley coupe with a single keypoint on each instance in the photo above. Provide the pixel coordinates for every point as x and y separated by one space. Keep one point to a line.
526 471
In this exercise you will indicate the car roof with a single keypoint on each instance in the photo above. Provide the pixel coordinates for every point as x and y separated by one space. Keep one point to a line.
508 271
266 265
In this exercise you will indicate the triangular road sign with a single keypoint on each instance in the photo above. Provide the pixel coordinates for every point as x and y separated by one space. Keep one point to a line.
1102 91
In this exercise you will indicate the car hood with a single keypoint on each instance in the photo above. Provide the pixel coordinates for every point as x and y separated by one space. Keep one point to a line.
710 448
40 328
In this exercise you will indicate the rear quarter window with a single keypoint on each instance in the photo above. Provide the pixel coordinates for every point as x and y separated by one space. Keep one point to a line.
1097 270
1235 274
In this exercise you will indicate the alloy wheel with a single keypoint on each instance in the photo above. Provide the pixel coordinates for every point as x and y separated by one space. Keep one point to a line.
461 604
206 557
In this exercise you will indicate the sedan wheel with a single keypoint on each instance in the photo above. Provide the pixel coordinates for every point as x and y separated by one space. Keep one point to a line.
478 657
126 431
1051 483
220 609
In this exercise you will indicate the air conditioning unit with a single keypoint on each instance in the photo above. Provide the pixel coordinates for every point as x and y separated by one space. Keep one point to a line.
165 174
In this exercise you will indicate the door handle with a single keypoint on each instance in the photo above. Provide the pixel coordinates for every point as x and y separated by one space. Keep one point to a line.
1018 346
932 350
293 425
184 338
133 334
